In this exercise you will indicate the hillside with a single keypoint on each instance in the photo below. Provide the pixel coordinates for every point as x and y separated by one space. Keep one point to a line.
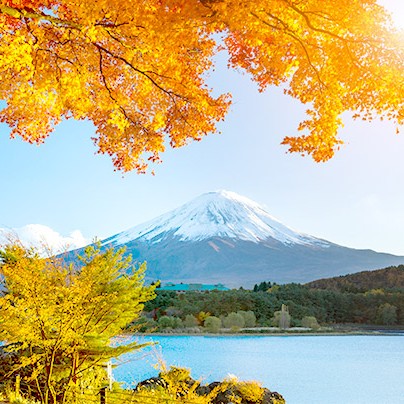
386 278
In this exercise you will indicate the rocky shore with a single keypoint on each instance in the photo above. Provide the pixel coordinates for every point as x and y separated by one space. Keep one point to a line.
226 392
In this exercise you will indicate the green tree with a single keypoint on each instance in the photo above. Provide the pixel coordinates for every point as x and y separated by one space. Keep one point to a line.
310 322
262 287
387 314
212 324
160 303
178 323
169 322
57 321
165 322
249 318
234 320
190 321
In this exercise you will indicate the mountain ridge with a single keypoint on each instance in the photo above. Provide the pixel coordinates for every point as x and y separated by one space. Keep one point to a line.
222 237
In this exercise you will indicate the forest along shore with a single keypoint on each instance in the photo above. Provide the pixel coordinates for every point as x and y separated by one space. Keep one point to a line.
335 330
371 301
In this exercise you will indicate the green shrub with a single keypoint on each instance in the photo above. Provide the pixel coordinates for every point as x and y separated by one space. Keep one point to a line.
169 322
213 324
190 321
310 322
386 314
234 320
249 318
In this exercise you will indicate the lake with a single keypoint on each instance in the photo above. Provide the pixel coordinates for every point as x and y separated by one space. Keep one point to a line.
304 369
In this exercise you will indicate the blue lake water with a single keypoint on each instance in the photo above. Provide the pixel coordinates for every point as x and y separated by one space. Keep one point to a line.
304 369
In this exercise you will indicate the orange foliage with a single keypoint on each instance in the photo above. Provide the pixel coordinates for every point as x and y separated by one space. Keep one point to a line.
137 69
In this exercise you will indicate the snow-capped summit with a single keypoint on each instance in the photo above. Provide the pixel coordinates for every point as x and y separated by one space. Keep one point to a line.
222 237
216 214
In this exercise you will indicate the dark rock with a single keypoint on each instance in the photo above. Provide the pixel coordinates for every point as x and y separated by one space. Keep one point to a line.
203 390
151 383
223 397
272 397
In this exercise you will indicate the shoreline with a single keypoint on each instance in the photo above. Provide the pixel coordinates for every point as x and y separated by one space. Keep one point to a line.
277 334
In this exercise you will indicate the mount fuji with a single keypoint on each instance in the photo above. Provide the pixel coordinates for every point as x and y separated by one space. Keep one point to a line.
222 237
220 214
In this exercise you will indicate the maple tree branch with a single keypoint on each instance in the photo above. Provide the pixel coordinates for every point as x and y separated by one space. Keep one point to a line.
115 38
304 14
109 89
171 94
21 13
290 33
104 80
143 73
345 41
321 14
316 71
110 24
309 24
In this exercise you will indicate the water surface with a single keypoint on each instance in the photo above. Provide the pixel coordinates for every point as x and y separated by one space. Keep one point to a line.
304 369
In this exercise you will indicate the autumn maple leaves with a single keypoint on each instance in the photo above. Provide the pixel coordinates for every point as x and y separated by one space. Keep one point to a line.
137 69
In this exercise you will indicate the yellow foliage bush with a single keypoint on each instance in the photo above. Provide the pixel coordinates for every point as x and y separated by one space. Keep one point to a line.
177 386
251 391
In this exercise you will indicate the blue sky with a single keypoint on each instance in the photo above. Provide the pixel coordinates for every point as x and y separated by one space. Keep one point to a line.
356 199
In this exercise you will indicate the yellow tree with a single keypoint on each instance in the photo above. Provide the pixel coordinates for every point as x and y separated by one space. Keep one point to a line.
137 69
57 321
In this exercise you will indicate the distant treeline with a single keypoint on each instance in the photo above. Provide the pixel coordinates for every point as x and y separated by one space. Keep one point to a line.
391 278
361 298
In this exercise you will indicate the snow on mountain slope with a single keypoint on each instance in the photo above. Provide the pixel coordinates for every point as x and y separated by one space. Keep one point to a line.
216 214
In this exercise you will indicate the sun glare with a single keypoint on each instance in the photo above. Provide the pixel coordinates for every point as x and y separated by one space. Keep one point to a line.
396 8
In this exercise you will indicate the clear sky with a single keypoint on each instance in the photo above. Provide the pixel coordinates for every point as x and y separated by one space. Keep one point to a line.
356 199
